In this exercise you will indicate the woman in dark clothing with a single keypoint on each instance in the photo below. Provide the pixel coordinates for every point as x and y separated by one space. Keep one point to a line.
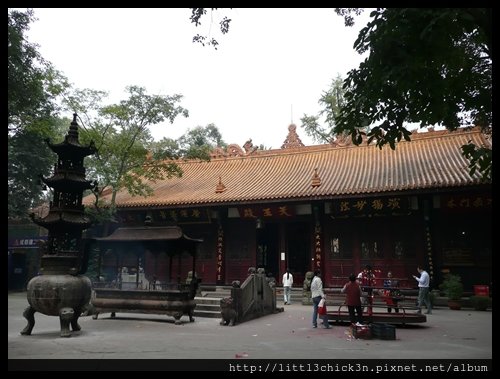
353 301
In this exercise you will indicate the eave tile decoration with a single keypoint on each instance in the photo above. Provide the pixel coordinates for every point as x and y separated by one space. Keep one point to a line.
316 180
220 187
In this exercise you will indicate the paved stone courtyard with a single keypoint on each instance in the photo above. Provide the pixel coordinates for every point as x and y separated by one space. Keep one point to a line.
464 334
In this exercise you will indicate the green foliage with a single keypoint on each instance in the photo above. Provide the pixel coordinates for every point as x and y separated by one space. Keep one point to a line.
480 158
347 14
127 157
93 266
196 16
26 73
332 100
33 86
198 142
452 287
28 157
480 303
121 135
431 66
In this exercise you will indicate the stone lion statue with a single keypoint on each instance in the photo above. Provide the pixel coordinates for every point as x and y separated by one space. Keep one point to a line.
307 281
236 284
227 311
306 289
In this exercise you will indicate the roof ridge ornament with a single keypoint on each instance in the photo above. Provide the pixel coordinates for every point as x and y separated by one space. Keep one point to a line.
220 187
292 139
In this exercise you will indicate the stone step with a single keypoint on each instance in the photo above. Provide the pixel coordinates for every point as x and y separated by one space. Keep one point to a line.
215 294
207 300
207 314
207 307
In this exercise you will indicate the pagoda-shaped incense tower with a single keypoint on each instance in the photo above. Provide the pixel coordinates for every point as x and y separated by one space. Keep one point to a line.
60 290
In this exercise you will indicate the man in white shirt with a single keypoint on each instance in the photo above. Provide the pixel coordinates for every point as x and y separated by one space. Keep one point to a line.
423 290
287 286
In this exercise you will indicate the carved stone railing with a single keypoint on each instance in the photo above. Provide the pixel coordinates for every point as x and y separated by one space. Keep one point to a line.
255 298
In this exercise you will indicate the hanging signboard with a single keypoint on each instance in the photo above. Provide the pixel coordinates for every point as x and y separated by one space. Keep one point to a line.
26 242
457 256
268 211
466 202
177 216
371 206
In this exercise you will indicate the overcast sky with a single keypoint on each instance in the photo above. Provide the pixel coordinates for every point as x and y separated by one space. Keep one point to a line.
270 69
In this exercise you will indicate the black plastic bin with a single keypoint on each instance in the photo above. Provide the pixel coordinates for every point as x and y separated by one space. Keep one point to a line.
383 331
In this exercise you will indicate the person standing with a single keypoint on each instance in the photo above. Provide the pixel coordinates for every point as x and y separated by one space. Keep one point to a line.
423 290
317 294
367 280
390 292
287 286
353 299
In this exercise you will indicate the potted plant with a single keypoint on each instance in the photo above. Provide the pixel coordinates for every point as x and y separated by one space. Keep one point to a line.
453 289
480 303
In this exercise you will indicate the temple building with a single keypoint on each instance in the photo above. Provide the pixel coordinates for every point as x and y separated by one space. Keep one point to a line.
336 207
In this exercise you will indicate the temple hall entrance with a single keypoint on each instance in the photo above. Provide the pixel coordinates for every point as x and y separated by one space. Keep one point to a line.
298 251
268 249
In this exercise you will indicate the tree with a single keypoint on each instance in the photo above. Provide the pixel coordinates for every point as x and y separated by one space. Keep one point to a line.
196 143
33 87
430 66
28 158
199 142
121 135
331 101
33 83
127 156
196 16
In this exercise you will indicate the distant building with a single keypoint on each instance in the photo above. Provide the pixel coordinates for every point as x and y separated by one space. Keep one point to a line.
24 239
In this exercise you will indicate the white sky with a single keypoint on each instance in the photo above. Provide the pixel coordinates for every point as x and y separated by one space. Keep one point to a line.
270 62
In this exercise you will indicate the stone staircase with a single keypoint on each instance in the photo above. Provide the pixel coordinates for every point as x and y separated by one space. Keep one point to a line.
296 295
208 304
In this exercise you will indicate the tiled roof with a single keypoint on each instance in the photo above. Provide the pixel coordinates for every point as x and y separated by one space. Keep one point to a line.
431 160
